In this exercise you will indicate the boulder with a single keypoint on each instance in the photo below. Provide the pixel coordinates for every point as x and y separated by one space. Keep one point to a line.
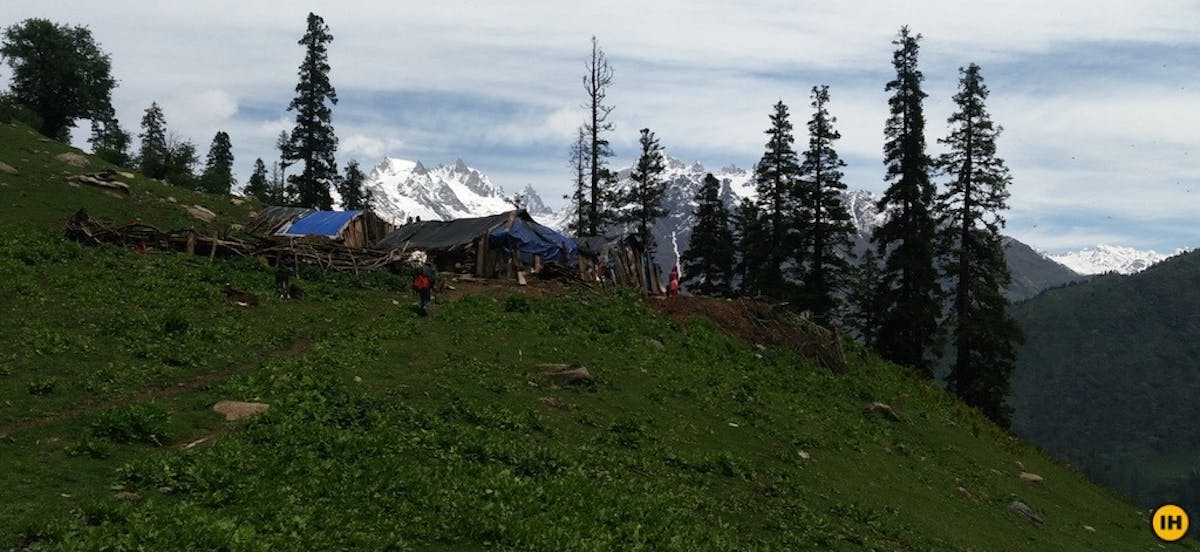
237 410
200 213
72 159
5 168
1023 510
1031 478
882 409
574 376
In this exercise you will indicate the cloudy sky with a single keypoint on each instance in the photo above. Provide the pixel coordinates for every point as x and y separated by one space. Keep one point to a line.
1099 99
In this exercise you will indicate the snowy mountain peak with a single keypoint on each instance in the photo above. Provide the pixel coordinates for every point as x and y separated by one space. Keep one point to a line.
1108 258
403 189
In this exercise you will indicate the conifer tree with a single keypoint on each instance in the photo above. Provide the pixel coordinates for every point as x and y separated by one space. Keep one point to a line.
824 222
218 168
912 297
753 245
984 333
776 176
707 265
109 141
257 185
580 155
865 298
312 141
153 154
602 181
354 195
643 199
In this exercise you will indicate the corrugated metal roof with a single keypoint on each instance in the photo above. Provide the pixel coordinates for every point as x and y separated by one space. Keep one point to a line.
320 223
438 234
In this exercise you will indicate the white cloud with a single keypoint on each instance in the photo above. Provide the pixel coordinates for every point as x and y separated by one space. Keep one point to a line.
202 108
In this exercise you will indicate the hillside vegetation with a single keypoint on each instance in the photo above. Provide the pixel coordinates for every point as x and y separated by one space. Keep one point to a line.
386 429
1107 378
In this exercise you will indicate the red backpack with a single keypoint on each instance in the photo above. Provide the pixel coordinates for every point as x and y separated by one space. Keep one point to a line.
420 283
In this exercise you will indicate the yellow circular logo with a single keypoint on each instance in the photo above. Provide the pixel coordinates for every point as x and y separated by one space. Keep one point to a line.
1170 522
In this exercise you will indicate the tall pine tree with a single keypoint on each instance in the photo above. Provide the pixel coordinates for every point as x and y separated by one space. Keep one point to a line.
985 335
602 181
312 141
257 185
824 222
218 167
776 177
643 199
354 195
708 262
152 156
911 294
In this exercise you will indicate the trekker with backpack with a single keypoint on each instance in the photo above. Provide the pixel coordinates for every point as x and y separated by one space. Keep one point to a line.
423 282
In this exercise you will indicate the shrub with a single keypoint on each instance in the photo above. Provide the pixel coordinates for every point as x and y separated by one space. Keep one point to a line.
139 423
41 387
90 447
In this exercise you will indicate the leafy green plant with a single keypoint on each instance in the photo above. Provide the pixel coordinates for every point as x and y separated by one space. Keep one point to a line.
137 423
41 387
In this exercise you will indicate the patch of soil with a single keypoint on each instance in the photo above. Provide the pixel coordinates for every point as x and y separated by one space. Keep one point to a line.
757 323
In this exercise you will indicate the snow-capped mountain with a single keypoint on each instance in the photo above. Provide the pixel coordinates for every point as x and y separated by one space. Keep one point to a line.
1109 258
402 189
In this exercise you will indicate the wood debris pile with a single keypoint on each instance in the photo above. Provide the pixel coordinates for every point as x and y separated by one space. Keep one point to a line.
322 253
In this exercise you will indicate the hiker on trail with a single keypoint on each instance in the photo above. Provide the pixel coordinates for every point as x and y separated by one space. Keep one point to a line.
423 283
673 282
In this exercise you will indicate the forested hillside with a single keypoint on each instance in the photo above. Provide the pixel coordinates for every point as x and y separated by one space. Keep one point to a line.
1108 375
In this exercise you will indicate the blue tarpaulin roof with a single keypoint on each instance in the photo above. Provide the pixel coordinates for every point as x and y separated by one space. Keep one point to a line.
320 223
530 238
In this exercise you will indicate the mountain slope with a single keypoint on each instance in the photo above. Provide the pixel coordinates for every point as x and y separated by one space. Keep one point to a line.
1108 379
1109 258
389 430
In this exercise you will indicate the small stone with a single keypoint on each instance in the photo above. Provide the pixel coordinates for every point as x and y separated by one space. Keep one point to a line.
805 455
358 379
1089 528
553 402
127 496
7 169
656 343
967 494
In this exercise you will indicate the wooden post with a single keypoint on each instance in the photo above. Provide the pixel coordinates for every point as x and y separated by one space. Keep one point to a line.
212 252
481 255
537 263
191 242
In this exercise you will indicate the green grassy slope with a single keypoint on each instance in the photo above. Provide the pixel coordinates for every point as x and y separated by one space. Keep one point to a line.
1108 378
389 429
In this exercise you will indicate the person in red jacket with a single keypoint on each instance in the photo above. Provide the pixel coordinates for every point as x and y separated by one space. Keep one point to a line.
673 282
